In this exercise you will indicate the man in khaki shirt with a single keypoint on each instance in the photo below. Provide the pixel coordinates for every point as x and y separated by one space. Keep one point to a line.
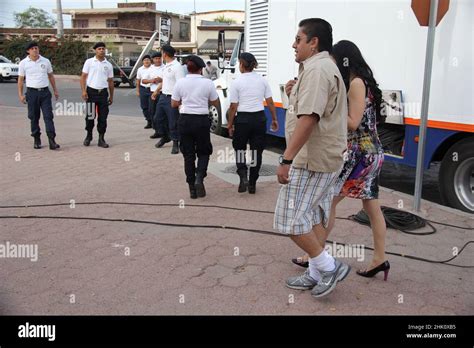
316 135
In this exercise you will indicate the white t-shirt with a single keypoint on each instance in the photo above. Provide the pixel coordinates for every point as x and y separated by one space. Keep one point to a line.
249 90
194 92
144 74
98 72
155 71
35 72
172 72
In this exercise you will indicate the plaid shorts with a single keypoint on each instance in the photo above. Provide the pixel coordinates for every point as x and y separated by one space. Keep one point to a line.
301 202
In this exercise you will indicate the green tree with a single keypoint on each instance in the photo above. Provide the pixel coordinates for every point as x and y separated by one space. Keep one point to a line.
15 47
223 19
67 55
34 18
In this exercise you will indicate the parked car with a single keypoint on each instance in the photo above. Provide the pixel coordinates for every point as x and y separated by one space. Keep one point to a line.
121 75
8 70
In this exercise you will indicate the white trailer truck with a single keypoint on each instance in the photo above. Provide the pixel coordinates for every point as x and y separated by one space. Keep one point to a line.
394 45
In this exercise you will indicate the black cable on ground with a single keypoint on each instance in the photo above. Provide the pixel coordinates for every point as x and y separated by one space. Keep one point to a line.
399 220
402 215
395 216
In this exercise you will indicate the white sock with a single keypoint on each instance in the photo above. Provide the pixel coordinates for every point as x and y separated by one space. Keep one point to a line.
323 262
313 270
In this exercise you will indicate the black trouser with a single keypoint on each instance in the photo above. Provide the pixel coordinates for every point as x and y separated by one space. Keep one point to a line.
145 99
40 100
153 115
250 127
167 117
194 131
97 105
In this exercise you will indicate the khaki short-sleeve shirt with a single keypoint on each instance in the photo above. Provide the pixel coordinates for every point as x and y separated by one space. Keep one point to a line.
320 90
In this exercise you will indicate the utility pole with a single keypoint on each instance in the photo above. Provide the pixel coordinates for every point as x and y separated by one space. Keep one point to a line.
425 105
59 9
92 3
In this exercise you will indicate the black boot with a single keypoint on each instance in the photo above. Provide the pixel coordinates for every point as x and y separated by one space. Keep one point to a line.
244 182
175 148
165 139
252 187
88 139
155 135
52 142
102 142
199 185
192 191
148 125
37 142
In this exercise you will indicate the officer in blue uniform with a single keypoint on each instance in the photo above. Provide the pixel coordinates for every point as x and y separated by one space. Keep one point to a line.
38 73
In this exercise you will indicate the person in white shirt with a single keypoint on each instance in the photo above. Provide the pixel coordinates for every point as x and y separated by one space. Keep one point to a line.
38 73
154 80
193 95
172 72
97 76
184 63
143 89
247 93
210 71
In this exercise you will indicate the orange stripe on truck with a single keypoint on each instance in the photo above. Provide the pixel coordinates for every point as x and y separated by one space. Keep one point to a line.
461 127
278 105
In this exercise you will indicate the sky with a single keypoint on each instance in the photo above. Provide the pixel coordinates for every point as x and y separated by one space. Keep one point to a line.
177 6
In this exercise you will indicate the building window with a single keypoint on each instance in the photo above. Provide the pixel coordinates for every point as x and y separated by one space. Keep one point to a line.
184 30
111 23
81 23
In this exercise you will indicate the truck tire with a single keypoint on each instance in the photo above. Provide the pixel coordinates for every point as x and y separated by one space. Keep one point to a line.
132 84
456 176
116 84
215 115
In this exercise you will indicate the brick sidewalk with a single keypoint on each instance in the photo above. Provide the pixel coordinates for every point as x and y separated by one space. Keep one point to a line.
167 266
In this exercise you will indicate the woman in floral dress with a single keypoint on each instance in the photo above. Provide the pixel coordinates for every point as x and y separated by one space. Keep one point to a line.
364 158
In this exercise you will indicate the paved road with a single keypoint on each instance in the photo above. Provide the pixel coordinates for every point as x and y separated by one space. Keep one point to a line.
201 266
125 100
394 176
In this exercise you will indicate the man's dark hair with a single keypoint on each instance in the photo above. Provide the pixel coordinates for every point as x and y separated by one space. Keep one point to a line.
169 50
99 44
30 45
317 27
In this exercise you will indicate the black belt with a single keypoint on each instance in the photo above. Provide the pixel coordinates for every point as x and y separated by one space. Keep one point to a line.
168 95
38 89
97 90
250 114
195 115
148 88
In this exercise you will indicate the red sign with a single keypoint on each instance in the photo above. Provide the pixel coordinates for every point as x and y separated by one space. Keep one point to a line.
422 10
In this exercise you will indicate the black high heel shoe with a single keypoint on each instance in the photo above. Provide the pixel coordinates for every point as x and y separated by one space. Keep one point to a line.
385 267
299 261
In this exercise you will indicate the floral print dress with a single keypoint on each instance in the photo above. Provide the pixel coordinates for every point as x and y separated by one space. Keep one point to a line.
364 158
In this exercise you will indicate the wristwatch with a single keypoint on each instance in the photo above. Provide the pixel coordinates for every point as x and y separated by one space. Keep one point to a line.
285 161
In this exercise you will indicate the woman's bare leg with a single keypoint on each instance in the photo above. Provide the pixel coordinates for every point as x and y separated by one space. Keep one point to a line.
379 230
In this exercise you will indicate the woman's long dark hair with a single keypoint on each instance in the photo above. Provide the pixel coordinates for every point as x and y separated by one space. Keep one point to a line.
349 60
